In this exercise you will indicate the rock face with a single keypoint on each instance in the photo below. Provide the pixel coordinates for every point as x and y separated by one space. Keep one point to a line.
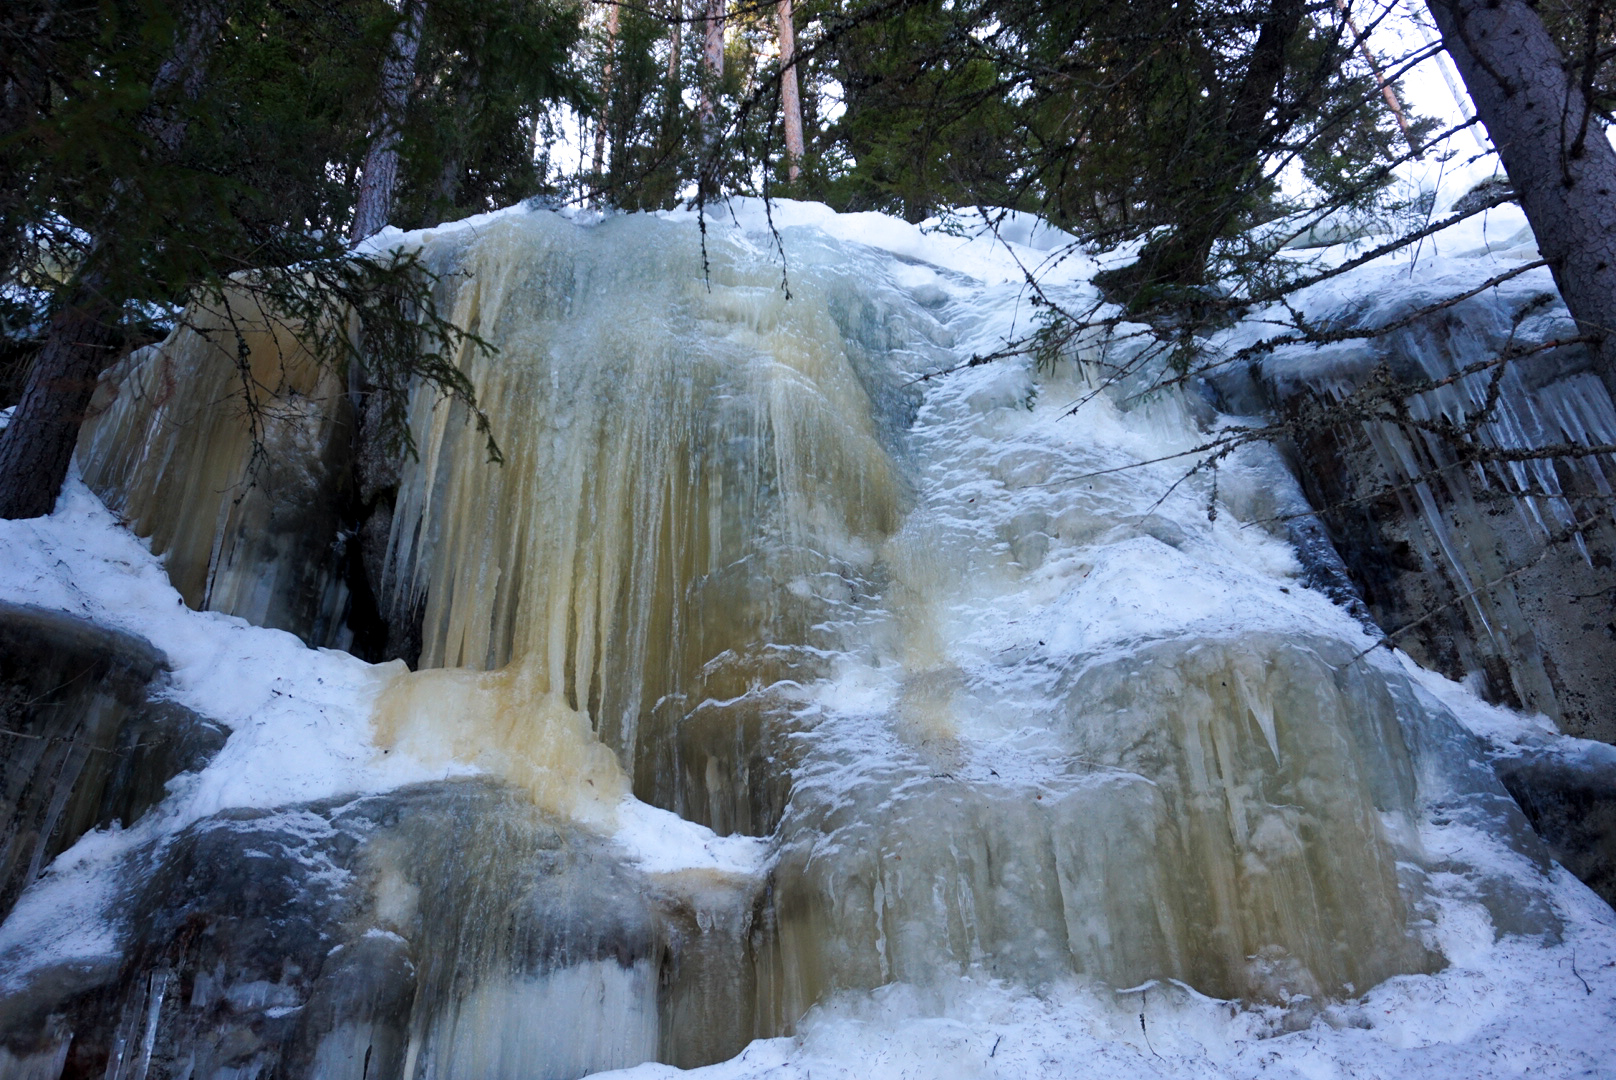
275 508
714 507
254 525
1571 802
392 935
375 936
1502 575
88 741
1513 593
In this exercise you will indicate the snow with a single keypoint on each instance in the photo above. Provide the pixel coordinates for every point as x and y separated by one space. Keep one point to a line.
299 720
299 717
992 479
661 842
1511 1008
961 241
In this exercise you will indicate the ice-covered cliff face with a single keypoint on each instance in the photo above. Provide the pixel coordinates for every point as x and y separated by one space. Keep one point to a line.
1500 571
1016 724
698 474
170 443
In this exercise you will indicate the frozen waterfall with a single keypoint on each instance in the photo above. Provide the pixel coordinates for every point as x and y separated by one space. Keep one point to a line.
769 690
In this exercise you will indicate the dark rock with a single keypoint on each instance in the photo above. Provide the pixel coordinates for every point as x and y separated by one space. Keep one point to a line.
158 742
1570 799
378 455
88 740
1324 570
383 622
1471 579
324 940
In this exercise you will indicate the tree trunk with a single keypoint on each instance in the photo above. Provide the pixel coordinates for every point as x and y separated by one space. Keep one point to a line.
790 104
676 33
380 174
712 62
1556 153
605 92
1388 92
37 446
185 70
446 193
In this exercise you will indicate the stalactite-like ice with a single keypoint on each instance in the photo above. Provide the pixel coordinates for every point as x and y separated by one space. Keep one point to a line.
1000 707
238 489
1219 816
1492 561
686 458
697 531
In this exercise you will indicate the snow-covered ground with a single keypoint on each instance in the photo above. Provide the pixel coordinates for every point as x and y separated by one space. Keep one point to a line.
300 718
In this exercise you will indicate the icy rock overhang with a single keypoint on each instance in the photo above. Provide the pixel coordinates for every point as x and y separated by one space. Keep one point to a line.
91 743
1502 570
450 928
228 447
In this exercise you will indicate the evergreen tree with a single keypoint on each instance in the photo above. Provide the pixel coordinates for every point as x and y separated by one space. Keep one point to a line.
929 118
159 153
488 72
1543 115
643 117
1159 118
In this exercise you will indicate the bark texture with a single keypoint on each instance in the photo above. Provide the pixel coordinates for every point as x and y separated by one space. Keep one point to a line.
606 90
712 59
1554 150
185 72
379 175
676 27
790 102
37 446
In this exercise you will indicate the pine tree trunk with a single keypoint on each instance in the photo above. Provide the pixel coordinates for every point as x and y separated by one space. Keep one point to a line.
605 92
676 33
790 103
446 193
712 62
380 174
37 446
185 70
1557 156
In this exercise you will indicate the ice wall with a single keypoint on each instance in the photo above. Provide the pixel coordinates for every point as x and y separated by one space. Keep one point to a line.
227 446
1501 570
712 515
687 453
1002 698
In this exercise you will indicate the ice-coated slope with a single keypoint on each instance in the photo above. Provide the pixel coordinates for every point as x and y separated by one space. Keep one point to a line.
1047 770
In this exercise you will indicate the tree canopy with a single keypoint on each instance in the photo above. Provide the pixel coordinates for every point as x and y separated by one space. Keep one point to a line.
156 149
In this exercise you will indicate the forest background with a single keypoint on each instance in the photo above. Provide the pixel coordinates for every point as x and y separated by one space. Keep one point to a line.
159 158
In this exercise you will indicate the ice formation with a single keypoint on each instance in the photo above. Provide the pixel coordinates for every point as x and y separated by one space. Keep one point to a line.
229 495
772 690
1479 527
